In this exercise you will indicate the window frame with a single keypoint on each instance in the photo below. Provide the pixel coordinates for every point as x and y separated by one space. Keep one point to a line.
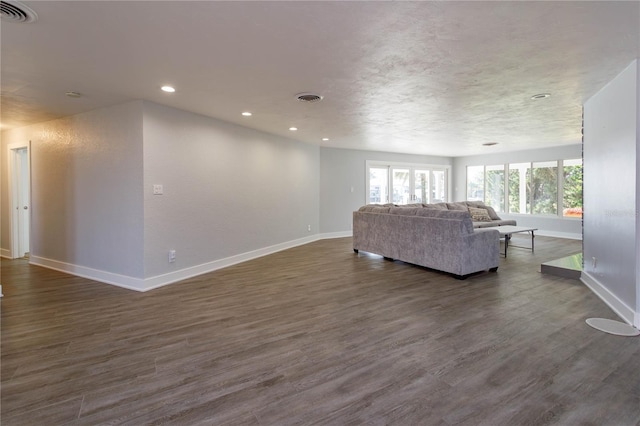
529 201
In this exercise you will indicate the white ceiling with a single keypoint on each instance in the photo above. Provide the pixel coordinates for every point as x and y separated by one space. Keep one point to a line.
436 78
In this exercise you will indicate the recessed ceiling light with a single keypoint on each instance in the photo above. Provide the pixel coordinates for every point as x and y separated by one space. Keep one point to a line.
168 89
73 94
293 129
540 96
325 139
489 143
247 114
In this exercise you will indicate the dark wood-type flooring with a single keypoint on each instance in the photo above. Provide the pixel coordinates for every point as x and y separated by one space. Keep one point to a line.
316 335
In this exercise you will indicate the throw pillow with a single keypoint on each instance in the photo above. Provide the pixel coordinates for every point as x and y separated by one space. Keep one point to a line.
479 215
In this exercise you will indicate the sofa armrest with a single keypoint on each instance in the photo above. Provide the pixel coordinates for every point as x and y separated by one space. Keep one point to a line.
481 251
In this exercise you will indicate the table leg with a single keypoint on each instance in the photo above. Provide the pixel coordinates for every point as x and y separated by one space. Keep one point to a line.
507 237
532 238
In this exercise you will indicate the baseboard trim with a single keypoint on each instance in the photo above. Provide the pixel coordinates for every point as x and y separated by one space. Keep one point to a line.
611 300
183 274
123 281
140 284
331 235
5 253
567 235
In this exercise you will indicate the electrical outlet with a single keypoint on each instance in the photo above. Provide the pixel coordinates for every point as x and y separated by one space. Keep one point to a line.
157 190
594 262
172 256
309 228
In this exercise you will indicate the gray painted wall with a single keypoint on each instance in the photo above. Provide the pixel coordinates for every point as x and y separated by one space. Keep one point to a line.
86 198
227 189
342 170
610 192
546 224
637 310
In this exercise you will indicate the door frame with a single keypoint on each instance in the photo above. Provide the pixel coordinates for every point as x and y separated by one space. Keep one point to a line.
390 165
12 156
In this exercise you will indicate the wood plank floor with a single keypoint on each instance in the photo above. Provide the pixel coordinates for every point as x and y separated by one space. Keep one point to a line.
316 335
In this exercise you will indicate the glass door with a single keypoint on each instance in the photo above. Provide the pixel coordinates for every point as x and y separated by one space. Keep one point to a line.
421 186
378 185
439 186
401 184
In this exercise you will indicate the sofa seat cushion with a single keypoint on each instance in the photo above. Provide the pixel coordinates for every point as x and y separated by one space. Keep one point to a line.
493 223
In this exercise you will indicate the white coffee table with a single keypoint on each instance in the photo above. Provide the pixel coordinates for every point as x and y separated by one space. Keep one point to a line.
507 230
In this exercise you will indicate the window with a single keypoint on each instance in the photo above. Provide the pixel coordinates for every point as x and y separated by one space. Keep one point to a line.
543 184
541 188
494 187
475 183
518 188
572 188
409 183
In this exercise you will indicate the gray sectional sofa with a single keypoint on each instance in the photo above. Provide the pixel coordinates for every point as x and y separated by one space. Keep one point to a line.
434 238
491 219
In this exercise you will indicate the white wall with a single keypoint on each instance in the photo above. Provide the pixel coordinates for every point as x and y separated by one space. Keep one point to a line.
610 193
228 190
553 226
86 199
343 169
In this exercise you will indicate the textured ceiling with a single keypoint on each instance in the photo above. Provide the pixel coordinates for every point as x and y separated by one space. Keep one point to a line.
436 78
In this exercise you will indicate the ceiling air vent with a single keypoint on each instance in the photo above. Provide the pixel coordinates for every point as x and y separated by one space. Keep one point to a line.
308 97
14 11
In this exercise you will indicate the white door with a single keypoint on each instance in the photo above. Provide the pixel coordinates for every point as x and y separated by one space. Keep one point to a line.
20 199
23 201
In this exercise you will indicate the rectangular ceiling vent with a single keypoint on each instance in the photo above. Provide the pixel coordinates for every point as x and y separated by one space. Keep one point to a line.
14 11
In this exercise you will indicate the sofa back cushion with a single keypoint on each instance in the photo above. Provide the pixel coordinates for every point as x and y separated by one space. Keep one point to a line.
406 211
476 204
492 213
461 206
457 215
436 206
374 208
